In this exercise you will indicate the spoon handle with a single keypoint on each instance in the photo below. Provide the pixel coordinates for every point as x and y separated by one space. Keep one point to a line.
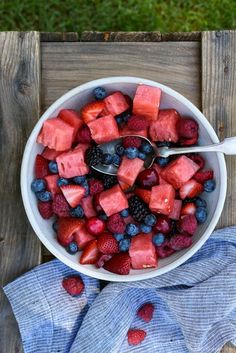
228 146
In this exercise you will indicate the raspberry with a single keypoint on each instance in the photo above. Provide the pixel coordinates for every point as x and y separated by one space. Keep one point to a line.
137 123
187 128
197 159
60 206
164 250
73 285
45 209
136 336
131 141
203 176
95 186
188 224
146 312
188 142
179 242
83 135
116 224
107 244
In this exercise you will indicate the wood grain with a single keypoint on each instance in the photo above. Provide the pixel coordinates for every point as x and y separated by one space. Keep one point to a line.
20 249
59 36
176 64
181 36
219 103
88 36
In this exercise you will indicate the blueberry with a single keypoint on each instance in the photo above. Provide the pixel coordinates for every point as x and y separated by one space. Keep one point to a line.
86 186
158 239
103 216
200 202
99 93
131 152
53 167
150 220
124 244
107 159
44 196
72 248
201 214
145 229
55 226
164 144
146 147
79 179
120 150
132 229
62 181
124 213
209 185
77 212
119 119
118 236
162 161
142 156
38 185
116 159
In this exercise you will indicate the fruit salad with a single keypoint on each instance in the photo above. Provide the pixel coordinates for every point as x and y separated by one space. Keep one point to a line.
133 219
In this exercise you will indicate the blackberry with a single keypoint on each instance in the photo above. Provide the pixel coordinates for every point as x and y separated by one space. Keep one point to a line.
109 181
189 199
93 156
138 208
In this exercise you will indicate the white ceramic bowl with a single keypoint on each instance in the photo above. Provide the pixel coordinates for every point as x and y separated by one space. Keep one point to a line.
76 98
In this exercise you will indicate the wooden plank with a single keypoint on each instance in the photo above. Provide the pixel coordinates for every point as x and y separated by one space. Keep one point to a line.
176 64
88 36
59 36
20 248
181 37
219 103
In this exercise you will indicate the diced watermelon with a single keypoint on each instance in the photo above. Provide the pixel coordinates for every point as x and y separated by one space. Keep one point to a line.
147 101
165 127
123 185
125 131
56 134
82 146
71 164
179 171
142 252
50 154
113 200
175 214
104 129
73 194
87 204
72 118
144 194
162 199
51 181
92 110
129 170
82 237
158 169
116 103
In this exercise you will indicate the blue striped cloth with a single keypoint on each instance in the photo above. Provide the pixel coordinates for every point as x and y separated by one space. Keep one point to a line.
195 307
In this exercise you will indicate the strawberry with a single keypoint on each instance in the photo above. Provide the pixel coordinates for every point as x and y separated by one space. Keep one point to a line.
91 111
95 186
45 209
73 194
116 224
137 123
66 229
135 336
180 241
102 259
107 244
197 158
41 167
188 142
188 224
187 128
146 312
188 208
145 195
60 206
74 285
83 135
119 263
90 254
203 176
190 189
131 141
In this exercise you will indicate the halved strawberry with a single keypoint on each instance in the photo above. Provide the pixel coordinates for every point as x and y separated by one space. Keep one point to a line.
145 195
52 186
190 189
203 176
41 167
135 336
83 237
188 208
119 263
73 194
91 111
67 228
107 244
90 254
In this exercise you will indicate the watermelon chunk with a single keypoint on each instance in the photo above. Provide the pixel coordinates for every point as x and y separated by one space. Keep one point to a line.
87 204
129 170
82 237
71 164
113 200
165 127
104 129
51 181
56 134
73 194
72 118
116 103
147 101
175 214
142 252
162 199
125 131
50 154
179 171
158 169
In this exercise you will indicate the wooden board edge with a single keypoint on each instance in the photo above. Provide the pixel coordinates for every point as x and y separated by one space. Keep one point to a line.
59 37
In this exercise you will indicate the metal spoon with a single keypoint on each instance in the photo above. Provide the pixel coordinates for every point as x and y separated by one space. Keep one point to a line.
228 146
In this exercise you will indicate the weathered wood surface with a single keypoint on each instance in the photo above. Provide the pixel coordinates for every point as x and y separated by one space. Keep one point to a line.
59 36
121 36
20 248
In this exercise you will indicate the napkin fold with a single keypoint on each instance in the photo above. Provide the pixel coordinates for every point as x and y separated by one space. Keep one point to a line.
195 307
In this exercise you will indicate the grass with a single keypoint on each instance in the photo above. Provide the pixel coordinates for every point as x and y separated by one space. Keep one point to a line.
114 15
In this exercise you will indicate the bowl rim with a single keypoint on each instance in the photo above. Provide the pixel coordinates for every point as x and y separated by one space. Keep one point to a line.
111 276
